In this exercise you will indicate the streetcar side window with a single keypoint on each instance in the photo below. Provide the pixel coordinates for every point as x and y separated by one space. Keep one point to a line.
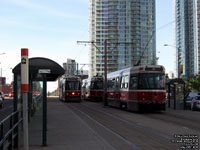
124 82
84 84
117 82
133 82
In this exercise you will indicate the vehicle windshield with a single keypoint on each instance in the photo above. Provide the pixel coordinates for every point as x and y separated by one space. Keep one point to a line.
96 85
72 85
197 97
151 81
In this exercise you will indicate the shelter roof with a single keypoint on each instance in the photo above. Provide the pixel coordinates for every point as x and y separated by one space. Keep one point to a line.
40 63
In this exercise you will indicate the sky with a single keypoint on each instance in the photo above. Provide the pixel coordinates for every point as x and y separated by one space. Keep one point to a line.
51 29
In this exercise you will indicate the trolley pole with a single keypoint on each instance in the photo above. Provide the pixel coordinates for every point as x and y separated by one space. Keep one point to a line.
25 89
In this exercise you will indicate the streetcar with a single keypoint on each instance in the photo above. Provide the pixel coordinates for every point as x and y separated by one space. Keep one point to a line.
92 88
70 89
137 88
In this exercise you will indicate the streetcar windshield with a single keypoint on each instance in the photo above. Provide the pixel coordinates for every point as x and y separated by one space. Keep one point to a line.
96 85
72 85
151 81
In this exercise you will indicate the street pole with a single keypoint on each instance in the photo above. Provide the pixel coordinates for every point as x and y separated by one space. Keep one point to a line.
44 124
105 73
105 61
179 55
77 70
25 89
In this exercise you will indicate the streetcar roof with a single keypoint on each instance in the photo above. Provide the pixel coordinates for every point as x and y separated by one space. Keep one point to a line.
138 69
71 78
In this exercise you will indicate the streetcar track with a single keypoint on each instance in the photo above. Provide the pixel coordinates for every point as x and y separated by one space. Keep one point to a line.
108 129
134 124
91 128
156 139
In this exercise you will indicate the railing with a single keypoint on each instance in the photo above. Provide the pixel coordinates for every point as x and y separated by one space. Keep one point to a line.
9 131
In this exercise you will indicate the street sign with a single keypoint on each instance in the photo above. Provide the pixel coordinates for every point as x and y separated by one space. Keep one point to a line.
24 70
44 71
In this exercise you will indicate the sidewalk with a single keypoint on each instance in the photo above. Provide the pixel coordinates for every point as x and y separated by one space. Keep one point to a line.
65 130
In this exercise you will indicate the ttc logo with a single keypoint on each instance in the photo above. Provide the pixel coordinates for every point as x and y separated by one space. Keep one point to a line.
23 60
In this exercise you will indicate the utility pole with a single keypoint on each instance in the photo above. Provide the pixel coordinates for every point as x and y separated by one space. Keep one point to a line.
105 74
105 62
77 69
105 67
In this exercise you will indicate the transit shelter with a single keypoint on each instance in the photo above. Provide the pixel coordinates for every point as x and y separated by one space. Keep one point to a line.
41 70
176 94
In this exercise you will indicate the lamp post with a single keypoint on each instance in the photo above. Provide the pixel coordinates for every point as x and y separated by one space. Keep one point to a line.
179 57
1 75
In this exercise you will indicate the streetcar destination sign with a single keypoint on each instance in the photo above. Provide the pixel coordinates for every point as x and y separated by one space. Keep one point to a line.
44 71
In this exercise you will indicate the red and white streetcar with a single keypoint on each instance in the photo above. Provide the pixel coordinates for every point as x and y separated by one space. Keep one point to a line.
70 89
92 88
137 87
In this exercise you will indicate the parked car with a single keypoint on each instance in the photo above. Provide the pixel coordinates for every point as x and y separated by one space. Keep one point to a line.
1 102
11 94
195 103
2 95
192 94
189 98
35 94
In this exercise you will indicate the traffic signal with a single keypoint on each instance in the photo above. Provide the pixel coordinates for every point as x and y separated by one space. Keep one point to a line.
181 68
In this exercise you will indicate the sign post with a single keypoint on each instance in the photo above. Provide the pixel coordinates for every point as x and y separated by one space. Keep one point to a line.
24 90
44 73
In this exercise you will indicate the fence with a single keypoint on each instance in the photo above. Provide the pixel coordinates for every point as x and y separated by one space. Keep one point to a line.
9 131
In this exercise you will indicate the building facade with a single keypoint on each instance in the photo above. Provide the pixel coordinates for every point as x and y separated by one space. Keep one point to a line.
70 67
186 16
128 26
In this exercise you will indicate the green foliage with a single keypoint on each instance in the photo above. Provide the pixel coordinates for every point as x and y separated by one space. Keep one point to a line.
166 76
193 83
188 85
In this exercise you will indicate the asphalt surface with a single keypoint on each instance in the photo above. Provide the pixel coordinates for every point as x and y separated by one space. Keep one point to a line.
90 126
7 108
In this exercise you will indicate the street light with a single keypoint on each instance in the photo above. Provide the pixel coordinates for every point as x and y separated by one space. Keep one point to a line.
1 74
179 58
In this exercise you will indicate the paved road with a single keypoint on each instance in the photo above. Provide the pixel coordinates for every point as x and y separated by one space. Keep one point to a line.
130 130
7 108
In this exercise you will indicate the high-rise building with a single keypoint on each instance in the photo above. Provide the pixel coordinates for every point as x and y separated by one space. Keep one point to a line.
70 67
187 37
121 21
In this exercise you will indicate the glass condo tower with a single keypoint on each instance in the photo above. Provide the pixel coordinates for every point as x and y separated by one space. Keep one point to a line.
128 26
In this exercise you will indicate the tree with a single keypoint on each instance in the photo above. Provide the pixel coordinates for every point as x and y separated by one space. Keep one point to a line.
195 83
188 85
166 76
